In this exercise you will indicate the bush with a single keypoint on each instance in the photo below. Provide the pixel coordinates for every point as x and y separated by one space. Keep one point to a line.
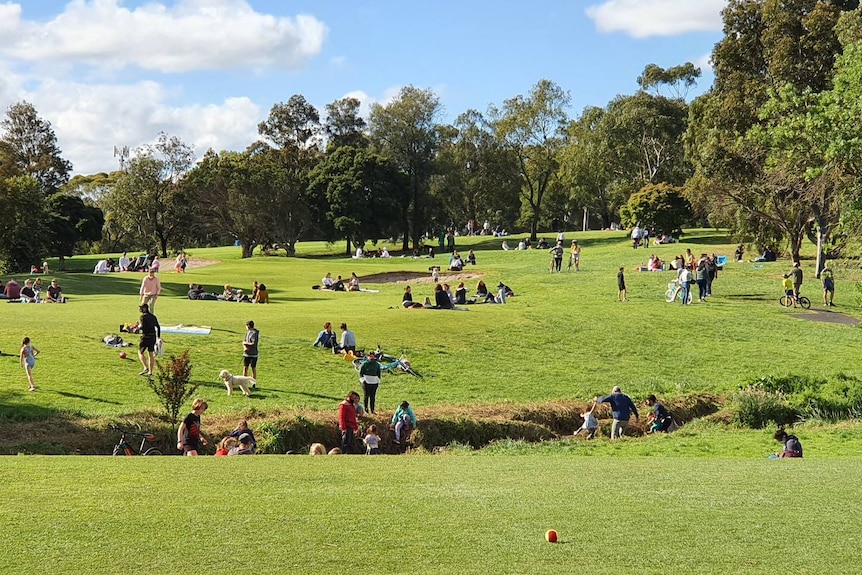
172 384
758 408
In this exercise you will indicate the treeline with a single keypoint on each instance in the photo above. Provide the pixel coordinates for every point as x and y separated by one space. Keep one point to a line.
771 150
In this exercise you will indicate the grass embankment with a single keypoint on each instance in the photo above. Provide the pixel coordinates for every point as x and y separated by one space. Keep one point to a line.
430 515
564 336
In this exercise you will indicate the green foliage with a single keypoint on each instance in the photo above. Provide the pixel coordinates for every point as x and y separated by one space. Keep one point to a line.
810 397
72 222
23 229
28 146
660 206
173 385
758 408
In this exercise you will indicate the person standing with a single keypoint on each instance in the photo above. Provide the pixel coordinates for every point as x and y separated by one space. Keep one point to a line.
250 351
702 275
28 360
796 277
347 421
622 408
685 284
190 437
369 376
151 287
558 252
622 295
828 286
575 256
151 332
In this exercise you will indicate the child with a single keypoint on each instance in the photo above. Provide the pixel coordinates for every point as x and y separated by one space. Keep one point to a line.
372 441
226 445
28 360
189 435
787 285
621 285
591 424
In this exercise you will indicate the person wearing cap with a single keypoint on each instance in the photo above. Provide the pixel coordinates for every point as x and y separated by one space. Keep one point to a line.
245 446
828 286
622 408
796 276
243 429
792 445
369 377
501 293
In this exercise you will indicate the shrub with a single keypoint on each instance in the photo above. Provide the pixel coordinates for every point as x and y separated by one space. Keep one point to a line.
172 384
758 408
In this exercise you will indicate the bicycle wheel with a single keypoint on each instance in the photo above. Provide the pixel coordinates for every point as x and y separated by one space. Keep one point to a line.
785 301
152 451
804 302
357 364
669 296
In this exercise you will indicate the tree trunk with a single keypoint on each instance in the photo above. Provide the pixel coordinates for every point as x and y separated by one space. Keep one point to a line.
247 249
347 248
822 234
61 265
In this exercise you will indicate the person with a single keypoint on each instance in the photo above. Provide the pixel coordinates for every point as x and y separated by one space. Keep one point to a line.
796 276
178 264
55 293
262 294
461 294
542 245
326 337
28 294
505 246
327 281
502 293
471 258
27 358
622 295
441 298
250 350
155 264
358 255
404 420
12 290
481 291
348 340
225 445
828 286
353 284
739 253
150 290
151 332
385 253
317 449
241 429
636 236
622 408
575 256
787 286
338 285
101 267
660 418
190 437
792 445
448 291
407 299
347 421
456 264
677 264
369 377
245 446
557 251
702 277
685 283
336 451
591 424
372 441
522 246
689 258
768 256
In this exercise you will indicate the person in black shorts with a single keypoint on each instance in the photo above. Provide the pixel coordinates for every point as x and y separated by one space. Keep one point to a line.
151 332
250 353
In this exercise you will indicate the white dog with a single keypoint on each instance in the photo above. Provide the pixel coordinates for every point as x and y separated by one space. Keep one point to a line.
241 380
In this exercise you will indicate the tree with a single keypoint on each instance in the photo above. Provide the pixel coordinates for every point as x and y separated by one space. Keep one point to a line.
72 221
344 126
23 229
172 384
148 196
29 146
292 124
678 79
534 129
660 206
406 130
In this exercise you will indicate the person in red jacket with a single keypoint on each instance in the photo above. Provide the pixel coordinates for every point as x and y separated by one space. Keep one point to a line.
347 421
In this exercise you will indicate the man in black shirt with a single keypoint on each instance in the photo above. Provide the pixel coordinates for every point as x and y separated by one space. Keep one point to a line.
661 419
151 331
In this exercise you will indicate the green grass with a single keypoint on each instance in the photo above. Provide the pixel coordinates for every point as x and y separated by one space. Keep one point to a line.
423 514
564 335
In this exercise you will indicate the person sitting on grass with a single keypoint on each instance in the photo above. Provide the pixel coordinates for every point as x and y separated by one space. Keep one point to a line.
471 258
407 299
28 294
225 445
55 293
327 281
353 284
245 446
792 445
441 298
481 291
461 294
262 294
241 429
326 337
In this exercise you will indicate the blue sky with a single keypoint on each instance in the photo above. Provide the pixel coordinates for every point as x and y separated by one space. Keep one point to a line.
113 72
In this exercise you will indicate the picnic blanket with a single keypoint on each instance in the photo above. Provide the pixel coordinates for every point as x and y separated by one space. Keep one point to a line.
187 329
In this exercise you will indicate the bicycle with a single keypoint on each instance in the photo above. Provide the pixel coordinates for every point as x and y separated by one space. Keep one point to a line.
674 292
388 363
792 300
123 447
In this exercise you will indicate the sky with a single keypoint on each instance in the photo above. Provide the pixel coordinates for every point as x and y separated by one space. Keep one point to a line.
109 73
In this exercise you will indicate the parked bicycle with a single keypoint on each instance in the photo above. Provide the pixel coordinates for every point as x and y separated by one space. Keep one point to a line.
123 447
793 301
388 363
674 292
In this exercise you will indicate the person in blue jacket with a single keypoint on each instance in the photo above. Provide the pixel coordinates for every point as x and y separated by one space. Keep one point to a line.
622 407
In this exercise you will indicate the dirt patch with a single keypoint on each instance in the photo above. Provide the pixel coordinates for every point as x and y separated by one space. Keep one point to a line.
418 277
200 263
827 316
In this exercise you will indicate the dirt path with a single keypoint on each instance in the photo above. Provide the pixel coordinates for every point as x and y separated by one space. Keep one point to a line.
827 316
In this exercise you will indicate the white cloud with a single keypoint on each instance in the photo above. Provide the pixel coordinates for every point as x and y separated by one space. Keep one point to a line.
704 62
644 18
188 35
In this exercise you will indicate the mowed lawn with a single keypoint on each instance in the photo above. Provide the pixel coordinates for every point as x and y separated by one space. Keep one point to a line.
563 335
430 514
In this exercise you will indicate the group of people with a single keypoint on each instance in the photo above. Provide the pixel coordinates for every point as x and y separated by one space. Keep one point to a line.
445 298
328 339
381 252
33 291
338 283
403 423
622 410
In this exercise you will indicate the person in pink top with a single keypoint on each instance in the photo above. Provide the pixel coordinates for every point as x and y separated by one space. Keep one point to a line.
347 421
151 287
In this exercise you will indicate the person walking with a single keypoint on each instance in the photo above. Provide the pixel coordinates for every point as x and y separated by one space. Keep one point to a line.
828 286
27 358
347 421
557 252
621 286
250 351
190 437
575 256
369 376
151 333
622 408
150 290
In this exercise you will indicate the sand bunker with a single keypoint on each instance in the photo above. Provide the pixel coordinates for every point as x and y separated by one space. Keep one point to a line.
404 277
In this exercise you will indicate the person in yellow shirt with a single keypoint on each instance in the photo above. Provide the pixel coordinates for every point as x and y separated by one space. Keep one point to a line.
787 285
575 256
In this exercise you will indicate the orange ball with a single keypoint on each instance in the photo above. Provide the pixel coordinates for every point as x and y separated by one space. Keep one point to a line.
122 355
551 536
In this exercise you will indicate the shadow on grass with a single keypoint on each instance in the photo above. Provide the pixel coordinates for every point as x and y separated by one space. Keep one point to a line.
84 397
314 395
750 297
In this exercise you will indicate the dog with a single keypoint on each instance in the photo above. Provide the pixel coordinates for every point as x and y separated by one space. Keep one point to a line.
240 380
